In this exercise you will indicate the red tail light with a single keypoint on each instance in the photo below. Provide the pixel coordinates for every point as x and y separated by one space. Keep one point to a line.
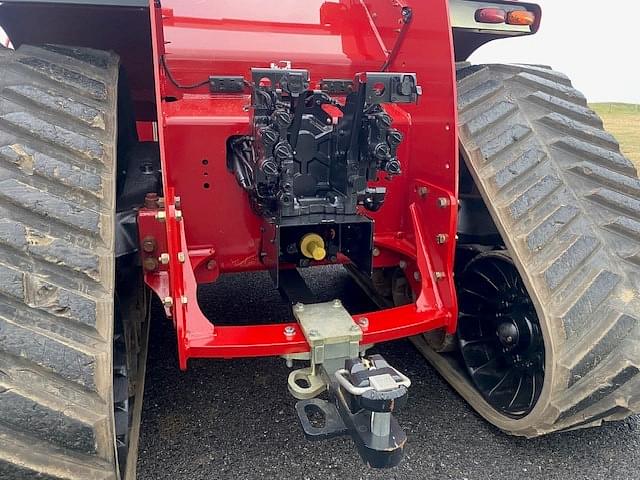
491 15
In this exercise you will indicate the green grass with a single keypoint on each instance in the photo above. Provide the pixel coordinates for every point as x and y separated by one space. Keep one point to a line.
623 121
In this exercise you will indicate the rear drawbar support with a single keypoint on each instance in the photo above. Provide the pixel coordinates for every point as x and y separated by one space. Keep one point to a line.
364 392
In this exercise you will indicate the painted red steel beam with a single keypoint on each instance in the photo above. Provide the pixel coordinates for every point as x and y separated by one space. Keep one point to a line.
175 282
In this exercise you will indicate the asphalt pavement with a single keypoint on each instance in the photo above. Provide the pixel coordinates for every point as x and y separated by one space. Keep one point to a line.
234 419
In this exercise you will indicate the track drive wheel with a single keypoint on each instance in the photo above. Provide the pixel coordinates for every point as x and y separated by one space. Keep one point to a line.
71 358
550 328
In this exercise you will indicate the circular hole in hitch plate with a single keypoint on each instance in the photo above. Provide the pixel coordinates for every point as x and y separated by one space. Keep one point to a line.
316 416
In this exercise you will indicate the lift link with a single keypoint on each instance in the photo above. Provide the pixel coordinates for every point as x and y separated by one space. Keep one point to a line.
364 392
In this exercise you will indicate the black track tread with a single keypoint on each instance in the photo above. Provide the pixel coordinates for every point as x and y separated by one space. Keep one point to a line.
57 203
567 204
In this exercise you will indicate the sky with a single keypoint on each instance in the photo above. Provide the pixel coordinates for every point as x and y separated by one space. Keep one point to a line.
596 43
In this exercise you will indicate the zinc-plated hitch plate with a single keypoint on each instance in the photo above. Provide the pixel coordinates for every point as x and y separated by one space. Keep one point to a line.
333 337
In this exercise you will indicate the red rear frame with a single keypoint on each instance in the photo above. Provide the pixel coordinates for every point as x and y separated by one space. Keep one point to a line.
206 226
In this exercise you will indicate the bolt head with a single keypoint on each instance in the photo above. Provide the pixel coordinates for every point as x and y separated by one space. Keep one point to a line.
289 331
177 201
376 252
440 276
181 257
151 200
149 244
150 264
211 265
313 333
184 299
299 307
442 238
161 216
337 303
423 191
164 259
416 276
179 215
363 322
402 264
443 202
167 302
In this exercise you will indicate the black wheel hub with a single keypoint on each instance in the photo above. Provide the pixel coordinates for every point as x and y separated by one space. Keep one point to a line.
499 334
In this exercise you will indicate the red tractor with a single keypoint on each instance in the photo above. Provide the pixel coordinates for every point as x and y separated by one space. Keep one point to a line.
147 149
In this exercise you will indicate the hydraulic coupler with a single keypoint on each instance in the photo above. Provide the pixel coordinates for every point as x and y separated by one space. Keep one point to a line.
364 392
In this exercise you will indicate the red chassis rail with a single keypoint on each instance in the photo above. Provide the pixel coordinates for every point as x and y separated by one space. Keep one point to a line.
204 226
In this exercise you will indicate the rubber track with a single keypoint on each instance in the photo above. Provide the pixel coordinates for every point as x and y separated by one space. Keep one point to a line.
567 204
57 203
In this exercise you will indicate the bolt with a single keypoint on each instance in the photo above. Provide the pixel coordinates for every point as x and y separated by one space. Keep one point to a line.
337 303
423 191
161 202
211 265
181 257
179 215
289 331
161 216
177 202
299 307
289 362
167 302
402 264
150 264
376 252
313 333
443 202
416 276
149 244
363 322
151 200
439 276
164 259
355 328
184 299
442 238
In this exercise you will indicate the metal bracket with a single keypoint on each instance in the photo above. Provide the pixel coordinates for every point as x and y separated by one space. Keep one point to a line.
333 337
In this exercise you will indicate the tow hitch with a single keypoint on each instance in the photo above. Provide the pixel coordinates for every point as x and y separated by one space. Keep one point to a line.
364 392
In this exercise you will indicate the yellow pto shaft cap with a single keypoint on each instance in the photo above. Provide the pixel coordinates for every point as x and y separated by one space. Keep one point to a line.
312 246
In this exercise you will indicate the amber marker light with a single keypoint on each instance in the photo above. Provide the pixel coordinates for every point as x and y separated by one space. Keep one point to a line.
521 17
